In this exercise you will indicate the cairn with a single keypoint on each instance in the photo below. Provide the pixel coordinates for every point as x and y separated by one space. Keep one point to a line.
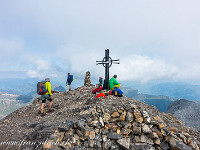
87 81
128 128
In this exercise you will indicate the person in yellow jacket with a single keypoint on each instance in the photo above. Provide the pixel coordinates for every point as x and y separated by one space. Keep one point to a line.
46 96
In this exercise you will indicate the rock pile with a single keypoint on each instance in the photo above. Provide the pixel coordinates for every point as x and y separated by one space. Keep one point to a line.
87 81
127 128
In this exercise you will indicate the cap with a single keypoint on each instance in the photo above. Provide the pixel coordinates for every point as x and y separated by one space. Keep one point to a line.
115 76
47 79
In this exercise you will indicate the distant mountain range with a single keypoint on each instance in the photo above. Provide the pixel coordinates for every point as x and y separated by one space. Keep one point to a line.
60 88
161 102
159 95
177 90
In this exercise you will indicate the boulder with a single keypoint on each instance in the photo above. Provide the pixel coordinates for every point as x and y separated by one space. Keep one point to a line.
106 117
114 136
124 143
143 146
137 130
137 114
115 115
107 144
139 120
146 128
165 145
92 135
178 145
122 117
129 117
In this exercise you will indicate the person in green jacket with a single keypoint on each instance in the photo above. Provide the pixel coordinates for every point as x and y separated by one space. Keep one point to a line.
46 96
113 83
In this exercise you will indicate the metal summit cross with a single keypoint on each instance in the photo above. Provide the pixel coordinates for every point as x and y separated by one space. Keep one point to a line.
107 63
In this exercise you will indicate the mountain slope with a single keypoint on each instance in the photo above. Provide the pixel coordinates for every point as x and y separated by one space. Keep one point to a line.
81 121
8 103
187 111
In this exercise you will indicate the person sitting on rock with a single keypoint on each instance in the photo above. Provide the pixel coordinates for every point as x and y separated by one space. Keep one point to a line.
113 83
48 96
100 82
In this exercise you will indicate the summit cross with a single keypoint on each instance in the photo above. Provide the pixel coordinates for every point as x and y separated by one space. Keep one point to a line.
107 63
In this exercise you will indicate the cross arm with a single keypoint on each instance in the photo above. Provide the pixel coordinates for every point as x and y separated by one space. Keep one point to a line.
116 60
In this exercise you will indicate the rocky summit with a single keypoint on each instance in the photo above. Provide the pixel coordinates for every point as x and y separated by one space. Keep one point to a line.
81 121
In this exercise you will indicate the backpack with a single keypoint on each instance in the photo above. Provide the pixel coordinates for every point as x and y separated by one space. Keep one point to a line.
97 90
110 93
70 78
41 89
117 92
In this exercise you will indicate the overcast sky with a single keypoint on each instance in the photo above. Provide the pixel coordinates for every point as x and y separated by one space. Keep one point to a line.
154 39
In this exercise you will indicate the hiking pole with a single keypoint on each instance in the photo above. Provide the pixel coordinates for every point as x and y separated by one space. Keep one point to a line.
74 80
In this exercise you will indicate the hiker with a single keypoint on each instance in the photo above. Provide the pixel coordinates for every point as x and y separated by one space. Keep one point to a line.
100 82
113 83
69 81
46 96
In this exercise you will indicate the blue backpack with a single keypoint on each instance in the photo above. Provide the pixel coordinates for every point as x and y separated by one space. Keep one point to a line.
117 92
70 78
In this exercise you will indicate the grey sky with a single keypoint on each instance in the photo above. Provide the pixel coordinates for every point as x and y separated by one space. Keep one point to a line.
155 40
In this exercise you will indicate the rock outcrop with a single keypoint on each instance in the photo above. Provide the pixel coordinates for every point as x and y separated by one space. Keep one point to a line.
82 122
187 111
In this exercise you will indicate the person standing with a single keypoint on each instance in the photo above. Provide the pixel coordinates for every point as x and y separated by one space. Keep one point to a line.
69 81
46 96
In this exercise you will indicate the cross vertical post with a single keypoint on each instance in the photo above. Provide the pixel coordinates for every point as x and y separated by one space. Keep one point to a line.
107 63
107 69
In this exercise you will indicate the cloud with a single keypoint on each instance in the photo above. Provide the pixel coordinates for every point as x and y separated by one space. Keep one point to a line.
10 50
155 40
44 68
144 68
78 60
41 69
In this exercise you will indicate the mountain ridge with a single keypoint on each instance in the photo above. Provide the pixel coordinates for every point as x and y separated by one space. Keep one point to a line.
187 111
73 106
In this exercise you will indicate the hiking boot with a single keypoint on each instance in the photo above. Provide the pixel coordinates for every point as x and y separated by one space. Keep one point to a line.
50 110
42 114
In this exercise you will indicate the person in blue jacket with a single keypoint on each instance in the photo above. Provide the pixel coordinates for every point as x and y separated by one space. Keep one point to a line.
69 80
